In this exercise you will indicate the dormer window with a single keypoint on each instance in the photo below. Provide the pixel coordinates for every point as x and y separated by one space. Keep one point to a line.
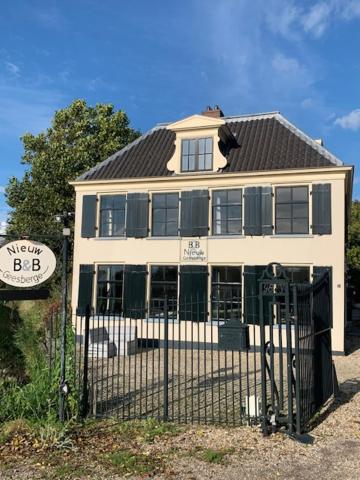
196 154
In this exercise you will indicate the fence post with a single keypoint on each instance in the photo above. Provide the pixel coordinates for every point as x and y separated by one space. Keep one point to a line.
64 389
166 359
85 390
297 362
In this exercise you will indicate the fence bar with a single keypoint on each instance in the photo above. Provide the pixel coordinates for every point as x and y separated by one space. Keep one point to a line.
85 392
166 361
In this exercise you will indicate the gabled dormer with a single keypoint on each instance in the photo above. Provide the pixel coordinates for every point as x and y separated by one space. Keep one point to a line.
201 142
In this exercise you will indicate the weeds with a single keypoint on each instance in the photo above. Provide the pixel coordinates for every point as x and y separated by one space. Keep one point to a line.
214 456
128 462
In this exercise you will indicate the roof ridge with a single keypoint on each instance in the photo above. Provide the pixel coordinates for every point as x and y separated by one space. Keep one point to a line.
310 141
112 157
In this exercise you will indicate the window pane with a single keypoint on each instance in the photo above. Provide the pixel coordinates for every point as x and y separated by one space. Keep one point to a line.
119 202
170 273
283 210
209 143
202 145
234 196
172 229
219 196
234 212
283 194
192 147
156 273
208 162
159 200
283 226
159 229
234 227
185 163
201 165
234 274
300 225
172 200
300 194
300 210
191 162
159 215
185 147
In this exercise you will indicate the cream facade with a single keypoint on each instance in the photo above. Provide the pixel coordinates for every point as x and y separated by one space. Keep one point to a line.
295 250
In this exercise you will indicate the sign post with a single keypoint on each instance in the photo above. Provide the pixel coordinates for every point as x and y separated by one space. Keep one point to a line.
64 388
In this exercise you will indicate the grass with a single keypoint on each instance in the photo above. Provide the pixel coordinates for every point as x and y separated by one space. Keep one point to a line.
214 456
146 430
128 462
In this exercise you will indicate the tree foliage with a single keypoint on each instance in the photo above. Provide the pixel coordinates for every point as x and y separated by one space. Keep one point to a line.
80 136
353 253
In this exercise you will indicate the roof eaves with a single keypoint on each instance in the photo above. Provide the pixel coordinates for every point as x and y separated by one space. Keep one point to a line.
117 154
321 150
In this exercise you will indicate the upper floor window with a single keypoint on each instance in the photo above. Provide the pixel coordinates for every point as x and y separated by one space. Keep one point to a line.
197 154
227 212
165 214
292 210
112 215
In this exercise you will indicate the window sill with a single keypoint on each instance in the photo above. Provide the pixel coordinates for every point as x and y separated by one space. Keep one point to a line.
110 238
293 235
164 238
227 236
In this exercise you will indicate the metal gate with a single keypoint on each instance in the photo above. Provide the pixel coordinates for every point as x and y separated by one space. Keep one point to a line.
210 366
298 375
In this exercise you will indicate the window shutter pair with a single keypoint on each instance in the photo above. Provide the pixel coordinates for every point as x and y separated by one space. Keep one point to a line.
136 215
134 290
252 275
321 209
258 211
193 293
194 213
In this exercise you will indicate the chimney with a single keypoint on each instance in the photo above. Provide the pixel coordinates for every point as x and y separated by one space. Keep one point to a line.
215 112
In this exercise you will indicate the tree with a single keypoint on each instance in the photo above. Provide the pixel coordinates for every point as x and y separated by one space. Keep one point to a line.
353 253
80 136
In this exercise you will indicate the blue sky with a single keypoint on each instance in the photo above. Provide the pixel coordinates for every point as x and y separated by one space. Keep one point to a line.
163 60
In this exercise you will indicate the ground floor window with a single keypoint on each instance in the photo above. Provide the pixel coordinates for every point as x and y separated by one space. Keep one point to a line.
163 283
226 293
298 274
109 298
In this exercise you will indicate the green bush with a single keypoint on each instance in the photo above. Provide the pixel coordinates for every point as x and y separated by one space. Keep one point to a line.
37 397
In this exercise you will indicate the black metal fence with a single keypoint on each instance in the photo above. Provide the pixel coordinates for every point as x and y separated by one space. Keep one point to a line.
219 371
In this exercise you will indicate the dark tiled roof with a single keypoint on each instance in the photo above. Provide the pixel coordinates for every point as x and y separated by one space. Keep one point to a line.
265 142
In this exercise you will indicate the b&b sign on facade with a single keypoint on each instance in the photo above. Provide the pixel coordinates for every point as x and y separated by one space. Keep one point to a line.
25 263
193 251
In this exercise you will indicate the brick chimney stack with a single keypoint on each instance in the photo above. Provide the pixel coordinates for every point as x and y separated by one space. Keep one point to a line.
215 112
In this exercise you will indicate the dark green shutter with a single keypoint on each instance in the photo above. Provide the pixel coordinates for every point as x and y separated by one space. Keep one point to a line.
134 291
266 211
137 215
258 211
252 198
86 281
193 293
318 272
252 274
321 209
194 213
88 223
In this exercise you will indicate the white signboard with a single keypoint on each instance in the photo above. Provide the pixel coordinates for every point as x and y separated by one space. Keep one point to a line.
25 263
193 251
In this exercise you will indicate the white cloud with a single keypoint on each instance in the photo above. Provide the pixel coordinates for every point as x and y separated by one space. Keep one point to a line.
13 69
317 20
291 18
351 121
